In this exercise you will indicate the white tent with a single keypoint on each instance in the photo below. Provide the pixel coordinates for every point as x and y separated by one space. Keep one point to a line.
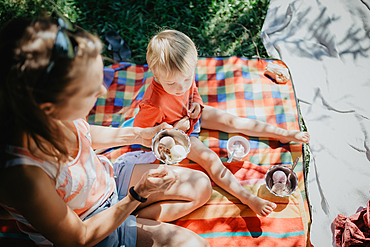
326 45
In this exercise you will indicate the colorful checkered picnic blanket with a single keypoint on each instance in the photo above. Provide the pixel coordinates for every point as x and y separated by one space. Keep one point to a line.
237 85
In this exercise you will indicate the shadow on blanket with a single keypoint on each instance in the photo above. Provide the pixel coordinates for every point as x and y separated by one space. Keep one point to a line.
224 221
239 86
236 85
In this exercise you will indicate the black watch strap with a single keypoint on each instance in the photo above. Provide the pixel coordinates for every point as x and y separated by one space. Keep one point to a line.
136 195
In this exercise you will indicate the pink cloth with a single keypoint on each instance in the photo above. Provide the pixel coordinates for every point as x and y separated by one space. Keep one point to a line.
353 230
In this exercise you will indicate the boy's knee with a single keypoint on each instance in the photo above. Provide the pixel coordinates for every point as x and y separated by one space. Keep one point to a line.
204 180
204 186
201 242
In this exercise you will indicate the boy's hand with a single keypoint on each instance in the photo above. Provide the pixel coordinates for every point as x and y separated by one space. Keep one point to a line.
195 110
183 124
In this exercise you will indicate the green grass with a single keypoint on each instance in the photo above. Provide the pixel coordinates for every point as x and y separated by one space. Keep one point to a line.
306 149
217 27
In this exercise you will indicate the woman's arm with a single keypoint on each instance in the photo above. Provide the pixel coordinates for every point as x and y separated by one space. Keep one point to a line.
38 202
106 137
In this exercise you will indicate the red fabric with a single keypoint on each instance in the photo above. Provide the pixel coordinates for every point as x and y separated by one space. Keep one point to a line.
238 86
225 221
158 106
353 230
11 236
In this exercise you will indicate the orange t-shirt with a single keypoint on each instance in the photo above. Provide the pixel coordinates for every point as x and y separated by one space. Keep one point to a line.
158 106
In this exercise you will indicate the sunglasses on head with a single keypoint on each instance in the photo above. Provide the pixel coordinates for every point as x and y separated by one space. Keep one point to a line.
64 45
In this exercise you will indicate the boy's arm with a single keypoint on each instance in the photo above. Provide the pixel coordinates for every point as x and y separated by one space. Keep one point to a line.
196 96
148 116
197 104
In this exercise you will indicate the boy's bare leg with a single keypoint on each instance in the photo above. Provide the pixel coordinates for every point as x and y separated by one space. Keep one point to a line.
222 176
216 119
153 233
189 192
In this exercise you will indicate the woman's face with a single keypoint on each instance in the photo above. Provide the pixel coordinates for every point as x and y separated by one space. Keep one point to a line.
86 88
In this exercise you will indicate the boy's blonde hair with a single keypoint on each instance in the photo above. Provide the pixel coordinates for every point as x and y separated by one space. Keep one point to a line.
170 52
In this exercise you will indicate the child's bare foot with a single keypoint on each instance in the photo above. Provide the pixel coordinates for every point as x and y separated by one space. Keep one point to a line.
295 136
260 206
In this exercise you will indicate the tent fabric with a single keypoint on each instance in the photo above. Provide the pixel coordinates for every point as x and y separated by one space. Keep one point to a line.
326 45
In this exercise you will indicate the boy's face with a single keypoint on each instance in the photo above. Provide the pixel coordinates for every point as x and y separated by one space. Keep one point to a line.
176 84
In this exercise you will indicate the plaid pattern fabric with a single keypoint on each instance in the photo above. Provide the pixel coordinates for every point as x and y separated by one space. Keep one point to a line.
238 86
224 221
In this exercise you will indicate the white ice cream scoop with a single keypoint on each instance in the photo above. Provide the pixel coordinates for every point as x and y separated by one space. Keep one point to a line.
167 141
279 177
238 148
177 152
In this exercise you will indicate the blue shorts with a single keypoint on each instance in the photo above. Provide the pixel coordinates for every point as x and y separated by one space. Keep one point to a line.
126 234
196 130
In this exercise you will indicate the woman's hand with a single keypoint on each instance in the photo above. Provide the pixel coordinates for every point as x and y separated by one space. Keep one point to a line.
183 124
195 110
156 180
146 134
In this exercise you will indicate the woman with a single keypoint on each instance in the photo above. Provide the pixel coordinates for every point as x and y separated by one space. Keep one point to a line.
51 181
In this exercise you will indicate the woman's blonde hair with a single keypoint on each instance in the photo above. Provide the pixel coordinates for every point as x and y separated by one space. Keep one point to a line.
171 52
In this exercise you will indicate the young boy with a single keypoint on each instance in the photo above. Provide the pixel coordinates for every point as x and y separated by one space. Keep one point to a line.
173 97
